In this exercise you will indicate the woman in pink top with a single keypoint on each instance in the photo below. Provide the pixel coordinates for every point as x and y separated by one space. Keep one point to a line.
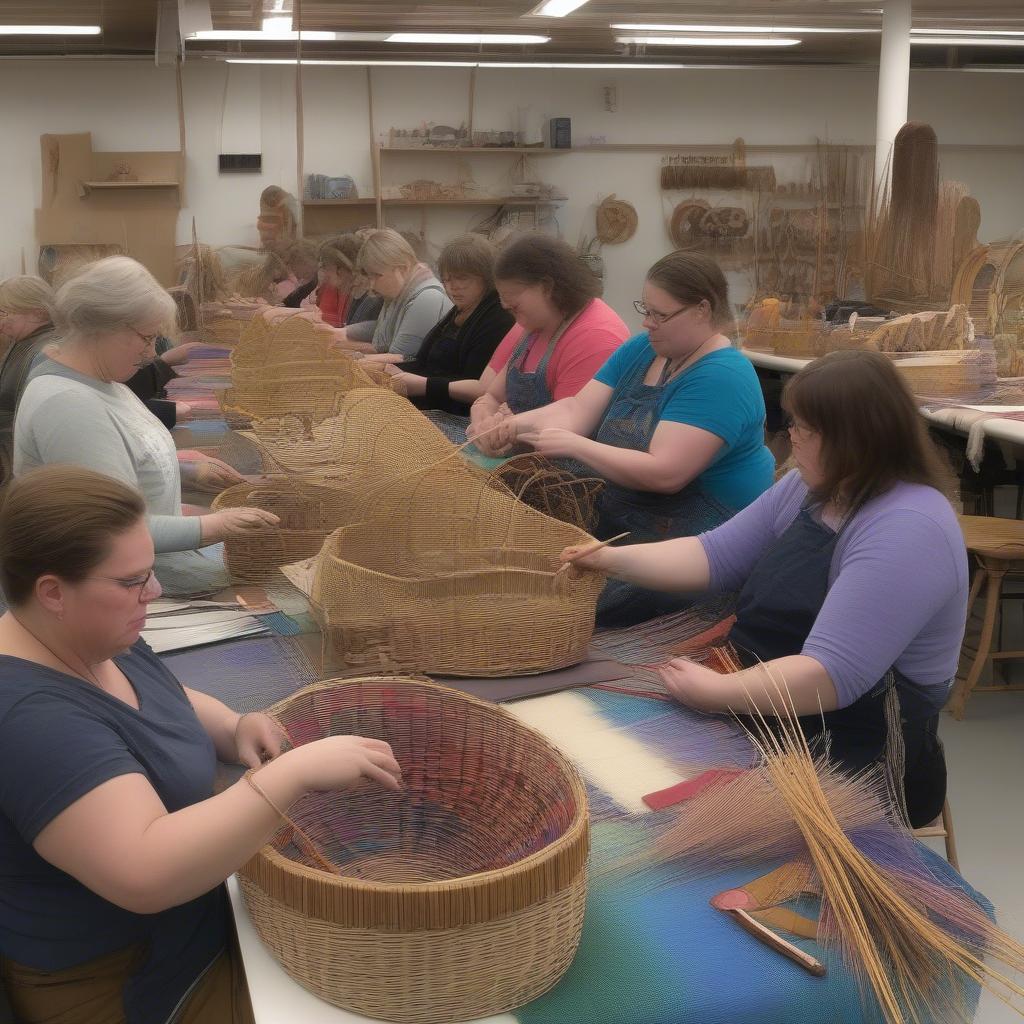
563 332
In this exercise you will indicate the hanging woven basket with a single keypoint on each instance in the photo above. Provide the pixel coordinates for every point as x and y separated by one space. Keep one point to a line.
616 221
684 224
460 897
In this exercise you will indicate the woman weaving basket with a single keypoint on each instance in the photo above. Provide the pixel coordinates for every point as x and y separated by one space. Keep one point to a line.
674 422
76 410
852 575
113 846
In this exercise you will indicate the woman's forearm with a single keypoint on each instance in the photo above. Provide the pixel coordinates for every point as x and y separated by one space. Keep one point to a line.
795 685
219 721
355 346
467 391
671 565
637 470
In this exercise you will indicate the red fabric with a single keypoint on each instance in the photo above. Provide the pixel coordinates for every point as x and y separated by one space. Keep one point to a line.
690 788
591 338
333 307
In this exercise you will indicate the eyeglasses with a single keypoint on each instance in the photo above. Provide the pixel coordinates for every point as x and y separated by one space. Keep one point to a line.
130 583
800 432
656 318
149 339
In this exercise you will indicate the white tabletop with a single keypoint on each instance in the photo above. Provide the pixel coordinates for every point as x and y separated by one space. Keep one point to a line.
959 420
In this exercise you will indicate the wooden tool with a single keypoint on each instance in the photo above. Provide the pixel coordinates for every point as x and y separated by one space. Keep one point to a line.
776 942
596 546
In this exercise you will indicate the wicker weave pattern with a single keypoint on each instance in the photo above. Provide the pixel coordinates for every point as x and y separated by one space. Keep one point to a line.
460 897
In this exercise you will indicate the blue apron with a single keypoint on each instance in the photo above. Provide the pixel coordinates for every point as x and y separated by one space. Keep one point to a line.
524 391
633 414
775 614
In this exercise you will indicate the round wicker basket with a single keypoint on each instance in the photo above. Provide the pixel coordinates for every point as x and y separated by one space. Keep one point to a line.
616 221
460 897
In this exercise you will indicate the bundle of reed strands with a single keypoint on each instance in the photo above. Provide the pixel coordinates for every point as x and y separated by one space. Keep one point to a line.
682 176
915 944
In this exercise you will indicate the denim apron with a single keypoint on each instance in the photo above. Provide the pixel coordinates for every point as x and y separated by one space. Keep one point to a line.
633 414
524 391
775 614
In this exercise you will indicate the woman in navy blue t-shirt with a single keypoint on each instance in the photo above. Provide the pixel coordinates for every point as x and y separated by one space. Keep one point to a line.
113 847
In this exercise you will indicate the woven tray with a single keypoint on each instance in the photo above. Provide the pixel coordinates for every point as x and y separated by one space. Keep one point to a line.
458 898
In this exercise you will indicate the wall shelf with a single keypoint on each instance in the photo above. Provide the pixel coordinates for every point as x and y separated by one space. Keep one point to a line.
90 186
479 201
461 150
362 201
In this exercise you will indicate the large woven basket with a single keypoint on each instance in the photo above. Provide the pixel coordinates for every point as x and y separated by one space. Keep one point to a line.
309 510
453 592
458 898
957 373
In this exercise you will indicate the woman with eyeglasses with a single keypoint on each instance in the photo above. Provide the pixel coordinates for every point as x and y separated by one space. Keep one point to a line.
113 844
852 580
673 421
76 409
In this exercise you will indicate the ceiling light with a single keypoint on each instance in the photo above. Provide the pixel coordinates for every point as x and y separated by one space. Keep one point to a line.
742 29
461 37
586 67
356 63
281 23
708 40
964 41
965 32
557 8
49 30
252 35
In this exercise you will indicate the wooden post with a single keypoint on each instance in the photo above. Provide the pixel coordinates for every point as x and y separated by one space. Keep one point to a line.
374 148
300 144
472 104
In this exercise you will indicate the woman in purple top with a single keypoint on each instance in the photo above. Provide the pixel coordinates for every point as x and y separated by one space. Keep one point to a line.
852 578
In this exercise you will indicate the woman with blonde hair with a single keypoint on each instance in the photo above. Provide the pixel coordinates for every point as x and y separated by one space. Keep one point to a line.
414 300
76 409
114 845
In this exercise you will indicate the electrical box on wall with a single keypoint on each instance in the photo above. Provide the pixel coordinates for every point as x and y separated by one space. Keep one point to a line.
240 162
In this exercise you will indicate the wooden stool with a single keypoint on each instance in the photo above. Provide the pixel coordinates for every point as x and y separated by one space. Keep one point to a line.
998 546
942 827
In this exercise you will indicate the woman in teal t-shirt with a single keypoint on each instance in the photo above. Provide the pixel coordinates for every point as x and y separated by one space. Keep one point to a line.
673 421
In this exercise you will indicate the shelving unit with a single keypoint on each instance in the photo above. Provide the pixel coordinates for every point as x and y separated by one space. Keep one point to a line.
89 186
479 201
362 201
461 150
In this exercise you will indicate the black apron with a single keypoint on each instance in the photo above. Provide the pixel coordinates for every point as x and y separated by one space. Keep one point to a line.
775 614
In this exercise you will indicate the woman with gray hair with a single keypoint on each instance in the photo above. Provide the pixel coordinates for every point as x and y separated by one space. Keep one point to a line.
76 409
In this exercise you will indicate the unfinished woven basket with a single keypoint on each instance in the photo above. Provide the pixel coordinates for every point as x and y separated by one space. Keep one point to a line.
458 898
309 510
960 373
439 589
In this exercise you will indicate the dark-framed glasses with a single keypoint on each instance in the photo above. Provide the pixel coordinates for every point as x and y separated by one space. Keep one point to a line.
653 316
140 583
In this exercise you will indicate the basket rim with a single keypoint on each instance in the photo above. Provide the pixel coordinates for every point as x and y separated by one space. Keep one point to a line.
575 837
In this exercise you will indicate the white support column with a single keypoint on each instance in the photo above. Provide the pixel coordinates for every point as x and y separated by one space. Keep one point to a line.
893 82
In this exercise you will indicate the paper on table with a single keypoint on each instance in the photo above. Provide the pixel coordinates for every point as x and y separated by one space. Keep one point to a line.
164 640
214 616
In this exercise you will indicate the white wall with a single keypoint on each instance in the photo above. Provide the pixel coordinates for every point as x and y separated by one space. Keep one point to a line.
131 105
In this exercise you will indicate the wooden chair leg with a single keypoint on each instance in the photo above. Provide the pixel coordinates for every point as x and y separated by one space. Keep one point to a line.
947 824
962 690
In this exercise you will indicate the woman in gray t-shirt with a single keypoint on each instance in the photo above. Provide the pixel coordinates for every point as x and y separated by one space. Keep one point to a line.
76 409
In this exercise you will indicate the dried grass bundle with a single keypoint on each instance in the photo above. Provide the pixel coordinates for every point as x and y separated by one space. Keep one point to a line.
683 176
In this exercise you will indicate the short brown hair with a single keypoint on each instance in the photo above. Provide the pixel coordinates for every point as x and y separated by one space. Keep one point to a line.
872 433
469 255
341 253
691 278
60 520
386 249
540 259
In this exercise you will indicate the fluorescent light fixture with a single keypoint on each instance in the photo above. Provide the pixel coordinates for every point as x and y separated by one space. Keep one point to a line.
279 23
741 29
964 41
252 35
49 30
463 37
708 40
357 63
966 32
583 67
557 8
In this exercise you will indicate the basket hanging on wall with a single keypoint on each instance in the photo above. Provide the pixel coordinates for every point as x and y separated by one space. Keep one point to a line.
616 221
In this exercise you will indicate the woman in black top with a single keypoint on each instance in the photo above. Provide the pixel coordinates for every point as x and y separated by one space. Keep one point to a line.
446 373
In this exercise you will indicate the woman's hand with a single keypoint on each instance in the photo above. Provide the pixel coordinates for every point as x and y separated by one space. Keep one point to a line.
213 475
180 353
236 522
555 442
692 684
415 386
494 435
343 762
258 738
596 561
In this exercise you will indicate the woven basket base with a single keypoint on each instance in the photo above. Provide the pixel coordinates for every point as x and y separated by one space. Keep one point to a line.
430 976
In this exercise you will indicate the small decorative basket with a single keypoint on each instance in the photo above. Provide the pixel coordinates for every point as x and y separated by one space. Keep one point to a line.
458 898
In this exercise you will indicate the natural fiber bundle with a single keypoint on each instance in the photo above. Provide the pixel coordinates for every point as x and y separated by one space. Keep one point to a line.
308 509
930 331
460 897
616 221
551 489
913 940
687 176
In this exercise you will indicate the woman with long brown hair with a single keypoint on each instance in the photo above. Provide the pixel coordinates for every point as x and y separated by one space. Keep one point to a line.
852 579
